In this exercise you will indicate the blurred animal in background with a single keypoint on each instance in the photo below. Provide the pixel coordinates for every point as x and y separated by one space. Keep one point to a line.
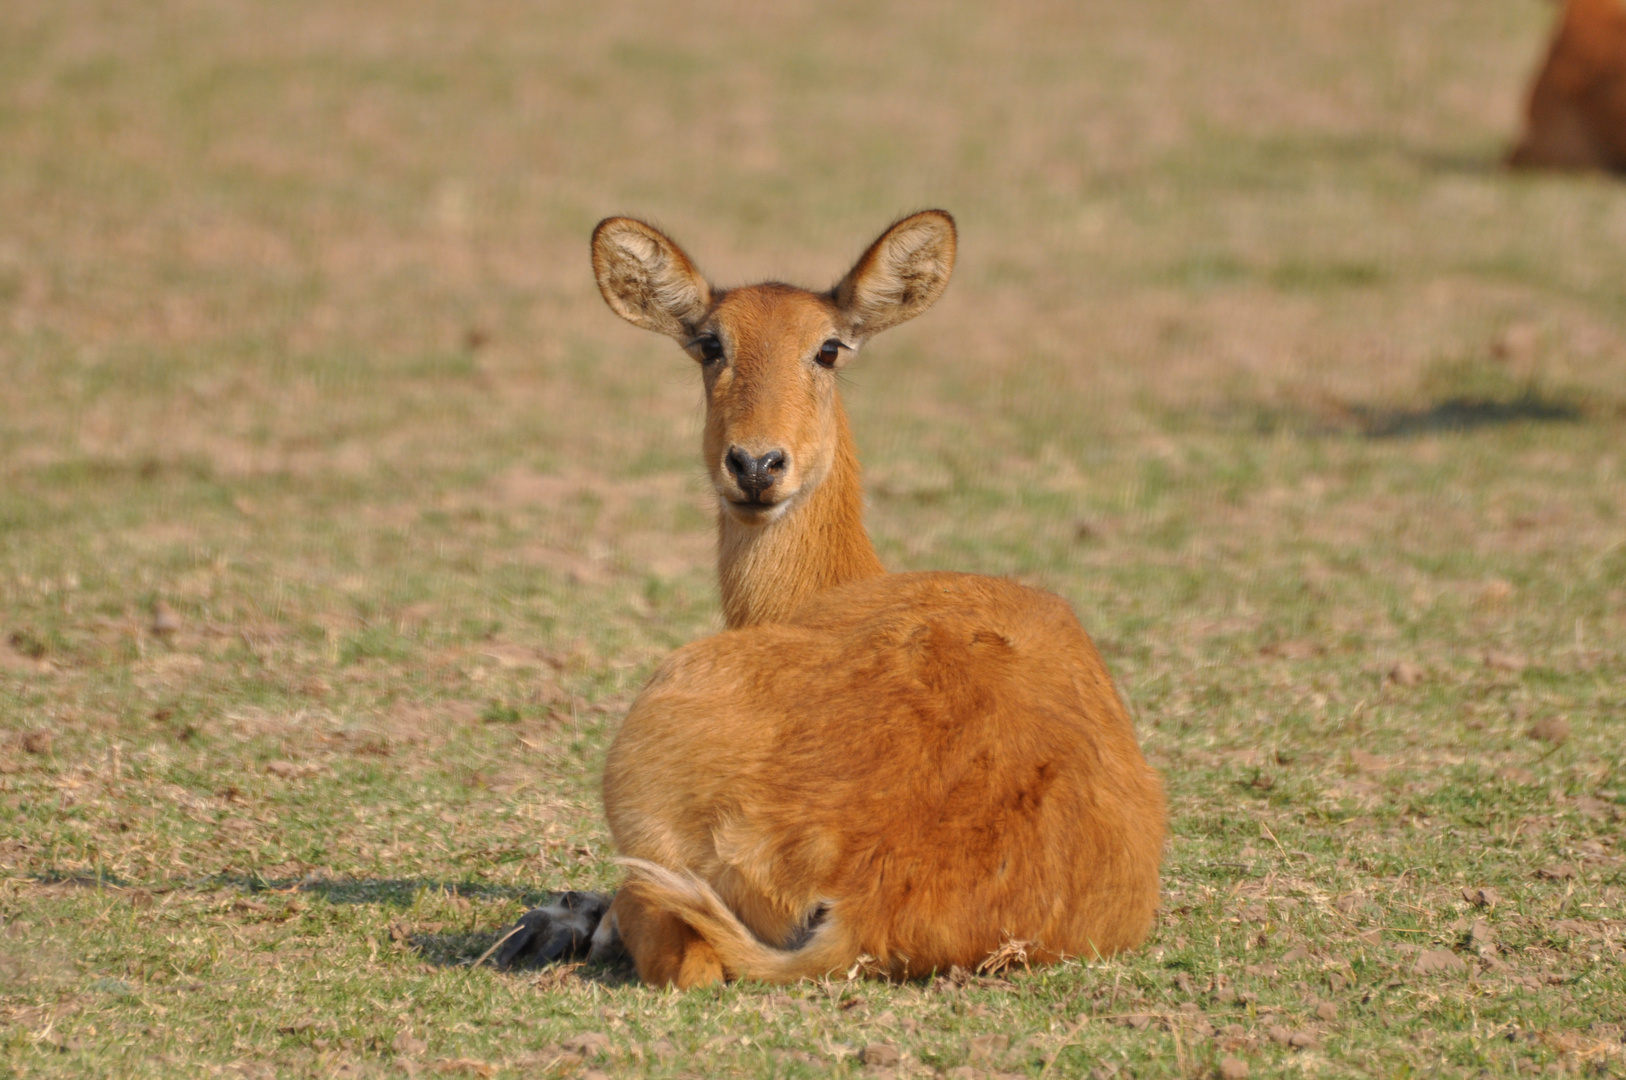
893 773
1576 116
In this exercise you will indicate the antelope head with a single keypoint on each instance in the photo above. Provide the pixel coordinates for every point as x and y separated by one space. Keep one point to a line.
770 354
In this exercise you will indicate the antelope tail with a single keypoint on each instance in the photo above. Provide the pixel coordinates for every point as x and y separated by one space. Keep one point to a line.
829 948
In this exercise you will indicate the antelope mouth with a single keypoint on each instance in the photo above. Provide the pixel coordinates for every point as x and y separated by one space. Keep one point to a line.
756 511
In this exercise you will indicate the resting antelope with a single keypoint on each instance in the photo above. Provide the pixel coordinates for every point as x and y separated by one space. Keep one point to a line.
912 768
1575 117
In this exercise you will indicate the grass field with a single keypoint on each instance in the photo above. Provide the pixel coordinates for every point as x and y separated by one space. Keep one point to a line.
340 521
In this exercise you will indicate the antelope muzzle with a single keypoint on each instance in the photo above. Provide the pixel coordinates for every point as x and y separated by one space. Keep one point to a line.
755 475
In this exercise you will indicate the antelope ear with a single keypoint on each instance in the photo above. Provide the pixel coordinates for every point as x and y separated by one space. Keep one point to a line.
901 275
647 279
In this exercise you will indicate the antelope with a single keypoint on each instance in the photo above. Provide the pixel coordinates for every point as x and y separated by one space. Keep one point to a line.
900 771
1576 114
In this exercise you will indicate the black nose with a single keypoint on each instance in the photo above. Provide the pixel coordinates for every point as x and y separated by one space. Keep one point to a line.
755 474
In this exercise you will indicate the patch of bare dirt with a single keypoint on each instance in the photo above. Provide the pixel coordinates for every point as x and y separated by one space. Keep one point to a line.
21 653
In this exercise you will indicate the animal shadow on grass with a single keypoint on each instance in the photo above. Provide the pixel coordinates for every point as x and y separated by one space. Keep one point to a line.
480 948
393 892
475 947
1429 158
464 949
1462 414
1263 158
397 892
1330 416
1443 162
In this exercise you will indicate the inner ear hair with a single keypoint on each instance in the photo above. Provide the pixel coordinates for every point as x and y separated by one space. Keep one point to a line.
901 275
647 279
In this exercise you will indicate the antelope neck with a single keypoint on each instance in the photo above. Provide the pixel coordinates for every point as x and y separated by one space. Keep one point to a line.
766 571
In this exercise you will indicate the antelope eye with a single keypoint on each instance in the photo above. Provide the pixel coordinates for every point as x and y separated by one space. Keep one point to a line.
711 350
829 353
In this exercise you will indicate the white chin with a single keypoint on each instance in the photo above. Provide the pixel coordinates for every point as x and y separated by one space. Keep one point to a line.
751 514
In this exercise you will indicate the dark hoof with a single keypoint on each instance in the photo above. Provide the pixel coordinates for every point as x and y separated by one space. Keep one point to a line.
562 930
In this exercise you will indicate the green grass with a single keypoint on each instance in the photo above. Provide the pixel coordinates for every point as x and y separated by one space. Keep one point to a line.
1253 354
